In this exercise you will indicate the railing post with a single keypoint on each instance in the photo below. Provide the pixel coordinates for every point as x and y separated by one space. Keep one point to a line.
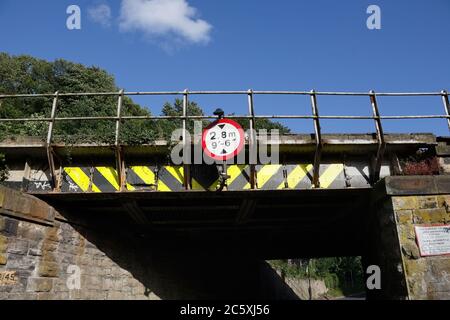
318 137
380 138
120 164
186 166
252 140
446 105
48 144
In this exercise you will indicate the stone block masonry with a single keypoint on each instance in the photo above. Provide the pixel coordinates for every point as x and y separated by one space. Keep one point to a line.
39 256
427 277
401 204
45 254
36 252
41 253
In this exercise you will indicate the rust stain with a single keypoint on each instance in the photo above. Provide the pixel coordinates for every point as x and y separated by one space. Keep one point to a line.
429 166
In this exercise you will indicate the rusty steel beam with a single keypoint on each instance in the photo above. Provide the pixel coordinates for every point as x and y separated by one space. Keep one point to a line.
186 167
118 149
446 105
380 138
48 144
149 93
318 138
252 139
267 116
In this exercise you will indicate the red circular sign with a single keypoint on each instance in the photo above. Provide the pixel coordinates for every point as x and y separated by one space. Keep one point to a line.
223 139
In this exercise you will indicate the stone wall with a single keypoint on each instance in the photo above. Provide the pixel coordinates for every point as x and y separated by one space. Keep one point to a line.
38 246
427 277
400 204
301 288
40 256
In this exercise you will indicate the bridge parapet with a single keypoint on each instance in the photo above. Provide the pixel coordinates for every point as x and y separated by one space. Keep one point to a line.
347 161
317 149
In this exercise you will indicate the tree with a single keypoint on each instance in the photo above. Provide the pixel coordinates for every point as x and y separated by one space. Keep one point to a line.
266 124
176 109
25 74
28 75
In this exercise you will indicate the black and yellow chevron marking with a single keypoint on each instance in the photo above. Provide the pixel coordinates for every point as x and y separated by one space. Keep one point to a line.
141 177
87 179
332 176
293 176
77 179
204 177
105 179
270 177
239 177
299 176
170 178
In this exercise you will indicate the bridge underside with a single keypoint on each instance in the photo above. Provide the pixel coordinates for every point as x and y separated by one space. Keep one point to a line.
268 224
270 211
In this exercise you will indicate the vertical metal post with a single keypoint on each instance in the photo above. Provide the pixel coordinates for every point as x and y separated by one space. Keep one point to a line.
26 176
252 139
318 136
186 166
120 165
446 105
52 116
119 117
48 144
380 137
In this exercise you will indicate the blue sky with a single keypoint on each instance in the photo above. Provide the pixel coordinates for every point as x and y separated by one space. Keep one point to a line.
237 45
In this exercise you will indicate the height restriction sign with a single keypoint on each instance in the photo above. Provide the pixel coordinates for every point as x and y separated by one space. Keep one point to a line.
223 139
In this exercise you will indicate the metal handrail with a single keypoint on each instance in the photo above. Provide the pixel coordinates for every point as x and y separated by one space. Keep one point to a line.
251 116
112 118
254 92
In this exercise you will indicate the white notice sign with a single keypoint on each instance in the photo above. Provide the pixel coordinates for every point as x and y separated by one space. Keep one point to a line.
433 240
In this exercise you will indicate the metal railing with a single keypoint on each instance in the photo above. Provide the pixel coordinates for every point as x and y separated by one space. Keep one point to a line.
251 116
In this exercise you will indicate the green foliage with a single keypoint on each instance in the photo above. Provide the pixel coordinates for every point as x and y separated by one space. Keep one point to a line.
265 124
28 75
24 74
337 272
3 168
176 109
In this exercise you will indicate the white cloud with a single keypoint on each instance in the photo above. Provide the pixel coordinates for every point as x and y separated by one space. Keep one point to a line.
100 14
172 20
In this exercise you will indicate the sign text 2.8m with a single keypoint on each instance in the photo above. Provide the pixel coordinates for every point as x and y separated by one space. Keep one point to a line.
223 139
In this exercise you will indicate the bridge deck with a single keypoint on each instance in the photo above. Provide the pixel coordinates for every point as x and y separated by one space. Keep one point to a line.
346 162
303 143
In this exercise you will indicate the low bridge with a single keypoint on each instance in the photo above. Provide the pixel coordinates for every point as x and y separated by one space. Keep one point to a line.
329 195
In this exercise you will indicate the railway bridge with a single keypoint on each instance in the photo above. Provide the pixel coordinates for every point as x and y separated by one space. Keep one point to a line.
138 225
